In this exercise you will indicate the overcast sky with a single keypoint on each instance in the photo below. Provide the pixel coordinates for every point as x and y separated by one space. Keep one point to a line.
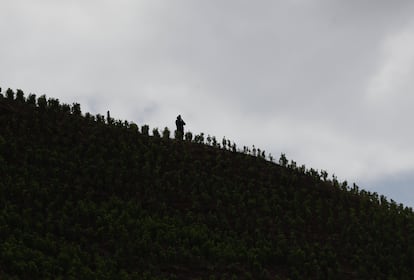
328 82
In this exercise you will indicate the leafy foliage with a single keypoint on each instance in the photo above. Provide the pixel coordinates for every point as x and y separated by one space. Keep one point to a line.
81 198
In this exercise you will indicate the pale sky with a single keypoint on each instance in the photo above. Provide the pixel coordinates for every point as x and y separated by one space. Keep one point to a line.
328 82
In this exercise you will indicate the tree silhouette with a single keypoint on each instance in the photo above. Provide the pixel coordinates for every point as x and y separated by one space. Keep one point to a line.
76 109
166 133
42 102
20 96
10 94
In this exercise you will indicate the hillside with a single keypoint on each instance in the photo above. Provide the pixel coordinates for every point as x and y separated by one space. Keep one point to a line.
89 197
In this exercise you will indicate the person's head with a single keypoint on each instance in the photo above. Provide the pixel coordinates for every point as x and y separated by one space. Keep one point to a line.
179 117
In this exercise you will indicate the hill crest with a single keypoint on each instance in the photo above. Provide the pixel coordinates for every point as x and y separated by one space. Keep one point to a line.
86 196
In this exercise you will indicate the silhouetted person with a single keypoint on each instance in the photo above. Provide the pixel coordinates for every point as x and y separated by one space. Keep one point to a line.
180 127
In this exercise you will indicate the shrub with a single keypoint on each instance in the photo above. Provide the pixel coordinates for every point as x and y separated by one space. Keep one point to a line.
10 94
189 136
20 95
224 143
209 140
53 104
109 120
156 133
145 129
283 161
166 133
214 141
199 138
178 135
234 147
100 118
42 102
76 109
66 108
133 127
31 99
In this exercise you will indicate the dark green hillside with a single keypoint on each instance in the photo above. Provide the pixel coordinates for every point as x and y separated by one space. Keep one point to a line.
90 197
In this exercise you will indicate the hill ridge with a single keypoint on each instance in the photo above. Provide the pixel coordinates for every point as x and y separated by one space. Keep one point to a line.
91 197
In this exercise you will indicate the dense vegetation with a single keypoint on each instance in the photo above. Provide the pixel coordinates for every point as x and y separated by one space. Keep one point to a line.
90 197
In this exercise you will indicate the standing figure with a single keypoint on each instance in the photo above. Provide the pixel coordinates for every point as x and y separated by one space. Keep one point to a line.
180 127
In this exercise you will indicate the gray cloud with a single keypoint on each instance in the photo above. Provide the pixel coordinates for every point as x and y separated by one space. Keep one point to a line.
327 82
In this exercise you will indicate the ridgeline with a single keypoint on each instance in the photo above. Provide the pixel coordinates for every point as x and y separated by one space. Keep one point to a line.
91 197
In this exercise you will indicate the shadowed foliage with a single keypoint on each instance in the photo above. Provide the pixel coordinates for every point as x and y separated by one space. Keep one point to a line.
82 197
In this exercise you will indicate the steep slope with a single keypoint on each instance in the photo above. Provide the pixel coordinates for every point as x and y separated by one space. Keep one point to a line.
83 197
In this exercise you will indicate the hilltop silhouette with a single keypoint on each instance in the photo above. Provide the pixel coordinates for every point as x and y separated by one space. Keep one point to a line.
84 197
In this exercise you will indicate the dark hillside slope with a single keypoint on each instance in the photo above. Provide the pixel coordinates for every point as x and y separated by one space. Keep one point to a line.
83 197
